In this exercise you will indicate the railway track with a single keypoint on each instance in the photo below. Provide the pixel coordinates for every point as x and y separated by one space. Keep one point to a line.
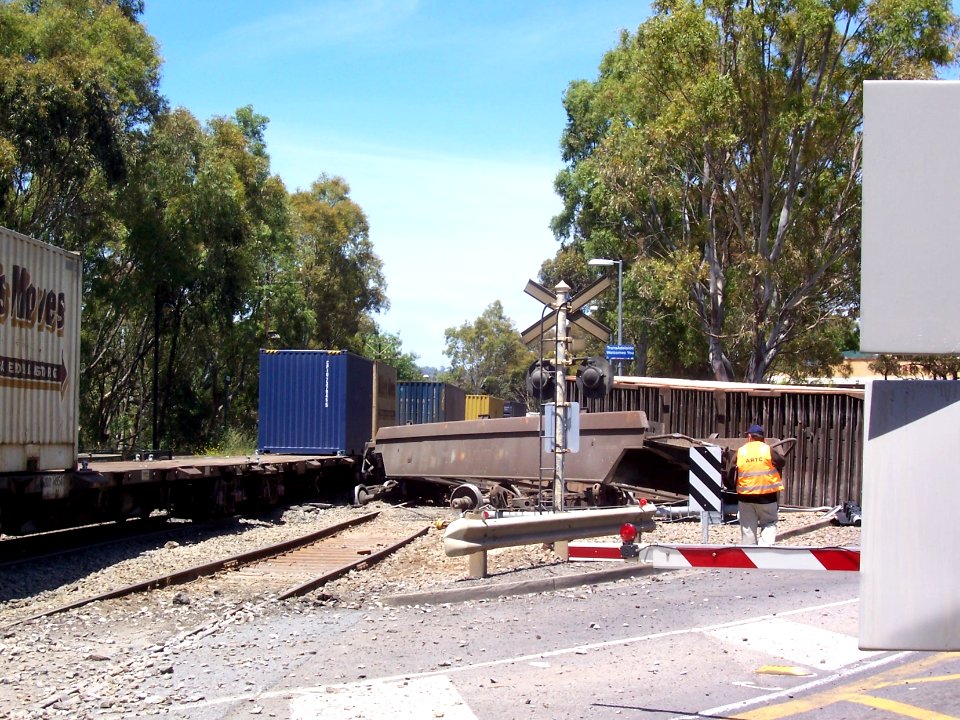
280 571
15 550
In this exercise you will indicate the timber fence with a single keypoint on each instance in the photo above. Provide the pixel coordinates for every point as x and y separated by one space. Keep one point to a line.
823 469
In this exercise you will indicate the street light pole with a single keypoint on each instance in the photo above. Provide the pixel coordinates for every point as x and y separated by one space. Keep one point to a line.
619 304
606 262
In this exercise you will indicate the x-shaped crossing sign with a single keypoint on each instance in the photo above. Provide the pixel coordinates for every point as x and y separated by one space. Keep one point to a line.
574 312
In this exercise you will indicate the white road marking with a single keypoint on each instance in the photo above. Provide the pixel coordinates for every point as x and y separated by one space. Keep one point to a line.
424 698
798 643
843 673
533 657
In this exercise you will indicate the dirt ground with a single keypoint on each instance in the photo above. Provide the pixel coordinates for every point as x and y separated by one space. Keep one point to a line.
423 565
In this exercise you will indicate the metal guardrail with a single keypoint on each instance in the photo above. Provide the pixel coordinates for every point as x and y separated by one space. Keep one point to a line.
473 535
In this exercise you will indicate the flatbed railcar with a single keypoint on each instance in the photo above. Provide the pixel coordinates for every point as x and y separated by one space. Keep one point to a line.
191 487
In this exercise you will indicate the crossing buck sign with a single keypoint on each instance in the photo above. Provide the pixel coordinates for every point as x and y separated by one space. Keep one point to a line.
574 314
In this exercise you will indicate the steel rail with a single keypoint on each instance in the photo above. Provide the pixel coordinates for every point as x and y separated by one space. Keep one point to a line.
207 569
19 549
368 560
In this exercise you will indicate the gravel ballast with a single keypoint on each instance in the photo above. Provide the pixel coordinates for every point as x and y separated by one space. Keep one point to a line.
83 662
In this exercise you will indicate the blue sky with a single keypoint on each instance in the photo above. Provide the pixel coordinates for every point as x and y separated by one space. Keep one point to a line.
443 116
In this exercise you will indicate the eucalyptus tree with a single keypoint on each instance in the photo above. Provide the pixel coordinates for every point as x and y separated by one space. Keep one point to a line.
78 78
388 348
173 325
487 356
719 154
340 274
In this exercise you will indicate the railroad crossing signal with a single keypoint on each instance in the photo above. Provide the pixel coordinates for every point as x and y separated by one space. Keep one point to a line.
574 314
565 310
594 377
541 380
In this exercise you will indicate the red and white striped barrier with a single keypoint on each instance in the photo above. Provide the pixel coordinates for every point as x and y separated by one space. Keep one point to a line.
594 551
727 556
751 557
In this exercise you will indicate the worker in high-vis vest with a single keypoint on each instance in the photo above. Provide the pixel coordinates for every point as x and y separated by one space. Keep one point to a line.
758 489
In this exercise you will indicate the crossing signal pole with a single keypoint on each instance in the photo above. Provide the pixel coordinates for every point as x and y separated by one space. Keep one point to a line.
560 426
566 311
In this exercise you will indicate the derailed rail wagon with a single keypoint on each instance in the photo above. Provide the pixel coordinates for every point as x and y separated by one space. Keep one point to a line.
502 462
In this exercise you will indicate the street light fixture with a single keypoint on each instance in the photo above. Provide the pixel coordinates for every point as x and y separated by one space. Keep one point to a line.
606 262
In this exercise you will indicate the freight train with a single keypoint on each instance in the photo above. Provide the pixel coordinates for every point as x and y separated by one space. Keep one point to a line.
316 401
330 423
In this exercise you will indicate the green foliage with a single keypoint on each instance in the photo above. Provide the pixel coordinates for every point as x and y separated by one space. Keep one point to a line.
719 153
487 357
77 78
177 300
233 443
341 276
570 266
934 367
887 366
817 355
388 348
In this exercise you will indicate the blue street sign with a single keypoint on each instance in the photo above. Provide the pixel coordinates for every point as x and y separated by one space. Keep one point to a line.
620 352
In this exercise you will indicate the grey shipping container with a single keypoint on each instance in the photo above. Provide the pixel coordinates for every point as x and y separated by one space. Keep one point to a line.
315 402
39 354
425 402
514 408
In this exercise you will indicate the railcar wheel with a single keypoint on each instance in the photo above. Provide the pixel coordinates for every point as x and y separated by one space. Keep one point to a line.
361 495
466 497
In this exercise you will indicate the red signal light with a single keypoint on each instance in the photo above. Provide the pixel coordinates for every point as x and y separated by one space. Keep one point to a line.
628 532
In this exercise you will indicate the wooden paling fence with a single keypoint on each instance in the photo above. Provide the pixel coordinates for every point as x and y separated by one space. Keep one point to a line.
823 469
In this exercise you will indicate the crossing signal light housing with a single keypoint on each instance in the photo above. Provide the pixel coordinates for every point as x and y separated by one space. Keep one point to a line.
595 377
542 380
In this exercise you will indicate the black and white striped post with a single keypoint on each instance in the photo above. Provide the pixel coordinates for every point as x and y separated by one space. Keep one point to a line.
706 485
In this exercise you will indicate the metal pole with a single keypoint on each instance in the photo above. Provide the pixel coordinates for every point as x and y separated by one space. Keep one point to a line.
619 312
156 366
560 427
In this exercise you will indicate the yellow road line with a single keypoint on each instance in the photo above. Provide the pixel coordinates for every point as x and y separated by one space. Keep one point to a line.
898 708
896 676
920 681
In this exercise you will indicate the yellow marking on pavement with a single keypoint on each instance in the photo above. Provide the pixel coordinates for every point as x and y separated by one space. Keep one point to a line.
898 708
896 676
920 681
783 670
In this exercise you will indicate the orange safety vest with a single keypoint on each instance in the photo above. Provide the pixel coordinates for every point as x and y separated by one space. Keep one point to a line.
756 473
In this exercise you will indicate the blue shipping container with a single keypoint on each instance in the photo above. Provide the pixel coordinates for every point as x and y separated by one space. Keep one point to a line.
427 402
315 402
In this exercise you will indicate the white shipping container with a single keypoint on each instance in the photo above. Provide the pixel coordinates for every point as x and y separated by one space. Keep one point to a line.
39 354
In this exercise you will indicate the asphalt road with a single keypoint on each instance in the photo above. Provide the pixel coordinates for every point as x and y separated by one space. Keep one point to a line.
720 644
